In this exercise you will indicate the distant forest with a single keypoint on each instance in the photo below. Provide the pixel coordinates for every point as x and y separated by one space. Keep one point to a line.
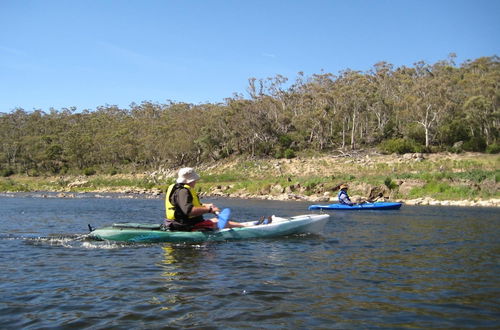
423 108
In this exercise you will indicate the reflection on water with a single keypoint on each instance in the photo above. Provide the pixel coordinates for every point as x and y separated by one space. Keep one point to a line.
419 267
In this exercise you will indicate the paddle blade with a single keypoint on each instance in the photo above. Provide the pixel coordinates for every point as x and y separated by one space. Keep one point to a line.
223 218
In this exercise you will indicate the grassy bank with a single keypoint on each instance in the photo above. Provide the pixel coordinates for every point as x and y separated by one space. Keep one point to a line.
439 176
469 176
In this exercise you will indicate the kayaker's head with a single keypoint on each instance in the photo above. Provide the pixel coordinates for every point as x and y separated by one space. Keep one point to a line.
187 175
344 186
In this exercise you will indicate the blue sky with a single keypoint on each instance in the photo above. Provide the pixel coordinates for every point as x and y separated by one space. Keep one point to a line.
91 53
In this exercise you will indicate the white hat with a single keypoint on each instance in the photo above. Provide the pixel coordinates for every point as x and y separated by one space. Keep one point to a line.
187 175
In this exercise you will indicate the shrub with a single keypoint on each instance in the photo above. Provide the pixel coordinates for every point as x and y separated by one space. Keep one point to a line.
493 148
6 172
475 144
400 146
89 171
285 141
416 134
453 131
9 185
389 183
311 183
32 172
289 153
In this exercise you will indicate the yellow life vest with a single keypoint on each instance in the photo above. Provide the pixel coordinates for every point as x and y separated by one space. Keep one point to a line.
170 208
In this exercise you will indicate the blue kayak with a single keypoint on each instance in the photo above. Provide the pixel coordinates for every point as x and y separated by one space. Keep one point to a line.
364 206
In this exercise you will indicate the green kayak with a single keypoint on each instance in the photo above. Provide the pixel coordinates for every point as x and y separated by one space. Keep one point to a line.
134 232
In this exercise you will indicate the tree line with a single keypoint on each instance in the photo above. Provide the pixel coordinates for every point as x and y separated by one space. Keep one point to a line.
424 107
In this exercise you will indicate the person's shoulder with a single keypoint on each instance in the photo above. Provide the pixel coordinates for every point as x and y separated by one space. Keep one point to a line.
179 186
183 190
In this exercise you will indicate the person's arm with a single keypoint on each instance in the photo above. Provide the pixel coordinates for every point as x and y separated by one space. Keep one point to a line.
345 199
185 201
205 208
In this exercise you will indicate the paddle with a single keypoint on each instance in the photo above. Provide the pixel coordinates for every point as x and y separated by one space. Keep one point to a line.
369 200
372 199
223 217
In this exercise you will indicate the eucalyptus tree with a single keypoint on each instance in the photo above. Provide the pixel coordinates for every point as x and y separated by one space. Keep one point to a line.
114 139
317 117
426 96
482 85
257 132
353 102
272 107
12 129
274 97
79 142
147 121
244 119
173 138
384 99
212 139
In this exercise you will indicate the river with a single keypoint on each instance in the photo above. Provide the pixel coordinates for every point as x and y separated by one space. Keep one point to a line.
417 267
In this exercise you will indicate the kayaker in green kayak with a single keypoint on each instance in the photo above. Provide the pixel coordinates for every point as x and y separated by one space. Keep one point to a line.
184 211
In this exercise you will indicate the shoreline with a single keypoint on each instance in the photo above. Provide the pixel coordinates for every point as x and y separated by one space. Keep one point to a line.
467 180
156 194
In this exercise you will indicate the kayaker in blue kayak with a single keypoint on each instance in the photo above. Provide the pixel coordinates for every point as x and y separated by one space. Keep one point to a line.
343 196
184 211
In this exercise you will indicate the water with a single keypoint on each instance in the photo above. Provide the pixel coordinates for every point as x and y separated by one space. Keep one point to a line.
418 267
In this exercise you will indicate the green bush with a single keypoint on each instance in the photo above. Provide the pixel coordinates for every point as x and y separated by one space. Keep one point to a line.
389 183
289 153
89 171
475 144
400 146
455 150
11 185
6 172
453 131
285 141
416 133
311 183
32 172
493 148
